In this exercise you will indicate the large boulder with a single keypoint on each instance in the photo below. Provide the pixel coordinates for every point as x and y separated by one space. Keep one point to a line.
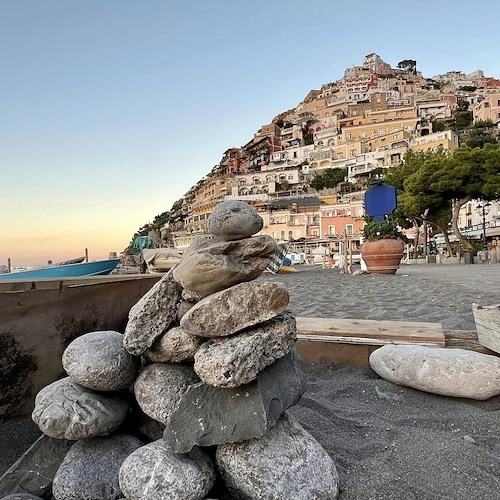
90 469
286 463
155 472
98 361
174 346
234 220
153 315
65 410
208 415
449 372
160 386
235 308
219 265
237 360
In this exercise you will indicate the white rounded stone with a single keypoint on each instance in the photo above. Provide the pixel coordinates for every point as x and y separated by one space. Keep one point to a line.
448 372
234 220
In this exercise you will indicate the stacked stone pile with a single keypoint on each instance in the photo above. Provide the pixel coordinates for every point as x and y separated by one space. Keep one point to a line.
190 403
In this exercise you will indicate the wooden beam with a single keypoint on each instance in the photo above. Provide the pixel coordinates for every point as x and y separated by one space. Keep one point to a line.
369 332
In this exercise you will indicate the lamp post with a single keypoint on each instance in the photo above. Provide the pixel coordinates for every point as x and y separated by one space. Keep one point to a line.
484 210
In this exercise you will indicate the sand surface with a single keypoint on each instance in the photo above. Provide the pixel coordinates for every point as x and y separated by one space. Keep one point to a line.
389 442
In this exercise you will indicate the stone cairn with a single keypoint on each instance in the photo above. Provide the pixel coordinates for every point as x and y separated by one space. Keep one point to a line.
211 359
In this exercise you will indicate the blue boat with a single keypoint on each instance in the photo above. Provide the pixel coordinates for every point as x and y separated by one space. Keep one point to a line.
95 268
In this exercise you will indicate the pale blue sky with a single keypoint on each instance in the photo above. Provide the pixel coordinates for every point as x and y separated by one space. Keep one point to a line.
110 110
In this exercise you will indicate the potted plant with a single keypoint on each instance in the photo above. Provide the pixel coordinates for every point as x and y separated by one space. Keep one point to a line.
383 247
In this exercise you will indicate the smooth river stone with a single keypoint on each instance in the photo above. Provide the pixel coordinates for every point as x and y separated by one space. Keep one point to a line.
208 415
174 346
219 265
448 372
65 410
98 361
153 315
287 463
235 308
234 220
159 387
155 472
90 469
237 360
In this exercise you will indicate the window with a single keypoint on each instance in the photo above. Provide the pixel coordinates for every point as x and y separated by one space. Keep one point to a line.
349 229
282 235
362 135
349 136
290 235
290 177
331 231
315 232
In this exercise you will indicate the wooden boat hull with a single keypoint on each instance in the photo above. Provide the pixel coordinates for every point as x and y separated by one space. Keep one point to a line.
96 268
39 318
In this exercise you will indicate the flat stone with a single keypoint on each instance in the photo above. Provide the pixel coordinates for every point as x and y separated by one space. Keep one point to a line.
236 360
231 310
153 315
34 471
234 220
65 410
159 388
220 265
286 463
208 415
98 361
157 473
90 469
448 372
174 346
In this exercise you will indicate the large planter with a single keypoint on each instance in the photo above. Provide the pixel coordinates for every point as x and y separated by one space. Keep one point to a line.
382 256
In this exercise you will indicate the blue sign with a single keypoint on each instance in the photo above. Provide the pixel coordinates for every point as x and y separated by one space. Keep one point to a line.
380 201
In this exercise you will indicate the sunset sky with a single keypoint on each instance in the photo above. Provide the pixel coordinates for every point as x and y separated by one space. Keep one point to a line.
110 110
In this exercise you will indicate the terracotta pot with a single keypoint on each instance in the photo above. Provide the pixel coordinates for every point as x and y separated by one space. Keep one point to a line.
382 256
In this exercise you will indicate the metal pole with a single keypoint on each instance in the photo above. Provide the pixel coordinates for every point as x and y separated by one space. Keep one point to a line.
485 246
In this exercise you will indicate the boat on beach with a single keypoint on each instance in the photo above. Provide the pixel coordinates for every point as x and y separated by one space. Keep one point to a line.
67 269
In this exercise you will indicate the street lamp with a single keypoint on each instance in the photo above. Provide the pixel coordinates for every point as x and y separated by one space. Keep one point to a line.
484 210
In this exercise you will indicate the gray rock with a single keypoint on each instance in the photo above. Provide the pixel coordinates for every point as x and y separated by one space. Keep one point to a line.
234 220
90 469
155 472
98 361
208 415
236 360
235 308
449 372
153 315
183 308
65 410
159 387
287 463
21 496
223 264
174 346
34 471
190 296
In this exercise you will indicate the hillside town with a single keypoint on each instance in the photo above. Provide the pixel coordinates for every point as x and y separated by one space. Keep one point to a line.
357 126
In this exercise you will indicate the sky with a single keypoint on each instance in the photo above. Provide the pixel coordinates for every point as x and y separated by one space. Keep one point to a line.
110 110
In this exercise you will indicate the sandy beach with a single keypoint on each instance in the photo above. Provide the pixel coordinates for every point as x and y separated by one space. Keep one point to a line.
389 442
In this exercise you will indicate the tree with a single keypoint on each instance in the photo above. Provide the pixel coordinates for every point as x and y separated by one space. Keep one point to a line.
481 135
453 180
409 65
331 178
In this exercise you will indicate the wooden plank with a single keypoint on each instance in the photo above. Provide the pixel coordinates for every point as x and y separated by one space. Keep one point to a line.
487 320
368 332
